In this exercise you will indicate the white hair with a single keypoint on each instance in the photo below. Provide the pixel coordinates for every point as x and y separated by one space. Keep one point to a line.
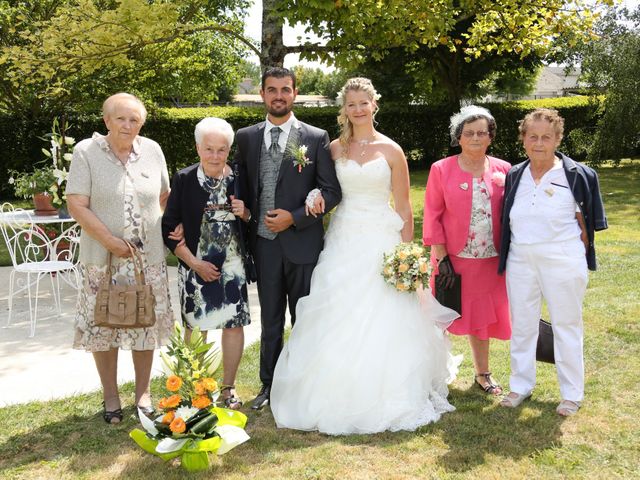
109 104
213 125
468 114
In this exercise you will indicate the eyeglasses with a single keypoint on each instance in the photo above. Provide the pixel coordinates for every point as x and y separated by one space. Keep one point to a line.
471 133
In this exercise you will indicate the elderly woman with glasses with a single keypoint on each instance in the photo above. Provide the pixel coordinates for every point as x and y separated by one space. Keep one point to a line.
463 202
211 275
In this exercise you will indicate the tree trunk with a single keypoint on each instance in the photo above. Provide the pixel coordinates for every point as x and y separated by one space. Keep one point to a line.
272 48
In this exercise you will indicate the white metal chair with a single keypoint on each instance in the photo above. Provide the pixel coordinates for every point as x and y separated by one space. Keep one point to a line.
34 254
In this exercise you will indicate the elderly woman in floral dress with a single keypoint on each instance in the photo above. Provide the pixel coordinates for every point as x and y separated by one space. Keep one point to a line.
211 276
117 187
462 209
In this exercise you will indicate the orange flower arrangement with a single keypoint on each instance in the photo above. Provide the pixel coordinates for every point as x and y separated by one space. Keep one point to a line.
174 383
178 425
168 417
201 401
199 388
170 402
210 384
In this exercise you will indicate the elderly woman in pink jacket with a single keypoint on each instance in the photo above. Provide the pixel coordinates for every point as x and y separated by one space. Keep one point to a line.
463 202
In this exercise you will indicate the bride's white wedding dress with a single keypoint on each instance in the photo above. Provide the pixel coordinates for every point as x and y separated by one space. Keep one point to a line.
362 357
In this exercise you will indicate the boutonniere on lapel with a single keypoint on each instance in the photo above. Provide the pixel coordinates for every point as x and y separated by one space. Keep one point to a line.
498 178
464 186
300 159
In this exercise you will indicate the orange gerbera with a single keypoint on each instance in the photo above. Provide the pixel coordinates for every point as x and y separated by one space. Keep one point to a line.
178 425
201 401
162 404
199 388
210 384
174 383
168 417
172 402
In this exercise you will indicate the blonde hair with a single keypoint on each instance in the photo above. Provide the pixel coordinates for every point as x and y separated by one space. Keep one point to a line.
356 84
550 115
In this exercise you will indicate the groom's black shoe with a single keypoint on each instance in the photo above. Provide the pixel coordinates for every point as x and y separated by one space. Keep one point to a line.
263 398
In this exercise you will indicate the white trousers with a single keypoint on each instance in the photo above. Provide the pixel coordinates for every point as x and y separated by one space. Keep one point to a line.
558 272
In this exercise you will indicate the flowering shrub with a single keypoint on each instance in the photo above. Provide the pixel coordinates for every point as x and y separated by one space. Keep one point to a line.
51 177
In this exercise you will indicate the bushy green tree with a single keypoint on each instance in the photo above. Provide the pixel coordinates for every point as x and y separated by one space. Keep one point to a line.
611 67
75 52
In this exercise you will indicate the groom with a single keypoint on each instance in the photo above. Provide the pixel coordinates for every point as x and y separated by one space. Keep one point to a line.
285 242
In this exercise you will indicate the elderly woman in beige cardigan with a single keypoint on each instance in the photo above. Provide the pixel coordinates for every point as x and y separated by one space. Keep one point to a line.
117 187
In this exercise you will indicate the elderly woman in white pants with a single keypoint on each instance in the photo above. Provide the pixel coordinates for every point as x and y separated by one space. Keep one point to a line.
552 209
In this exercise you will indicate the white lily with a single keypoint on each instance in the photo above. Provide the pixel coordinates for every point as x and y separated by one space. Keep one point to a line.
185 413
68 156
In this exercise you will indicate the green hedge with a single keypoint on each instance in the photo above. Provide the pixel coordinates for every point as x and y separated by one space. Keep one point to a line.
421 130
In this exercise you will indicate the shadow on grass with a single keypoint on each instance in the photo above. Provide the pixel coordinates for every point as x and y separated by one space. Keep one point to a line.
77 437
475 430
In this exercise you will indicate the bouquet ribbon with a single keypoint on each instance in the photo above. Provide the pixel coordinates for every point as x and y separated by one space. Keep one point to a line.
194 452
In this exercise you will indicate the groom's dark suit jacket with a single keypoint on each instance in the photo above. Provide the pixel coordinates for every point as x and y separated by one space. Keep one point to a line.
302 242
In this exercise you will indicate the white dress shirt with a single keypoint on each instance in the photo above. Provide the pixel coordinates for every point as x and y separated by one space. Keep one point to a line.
284 134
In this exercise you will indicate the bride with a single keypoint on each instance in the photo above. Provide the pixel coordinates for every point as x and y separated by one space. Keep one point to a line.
363 357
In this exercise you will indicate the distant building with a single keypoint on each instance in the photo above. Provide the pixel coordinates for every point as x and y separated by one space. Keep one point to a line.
552 82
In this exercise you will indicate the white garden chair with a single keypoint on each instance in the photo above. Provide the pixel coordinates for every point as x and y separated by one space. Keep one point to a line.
33 254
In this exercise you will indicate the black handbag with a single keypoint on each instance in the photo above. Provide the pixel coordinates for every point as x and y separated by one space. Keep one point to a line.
250 271
544 349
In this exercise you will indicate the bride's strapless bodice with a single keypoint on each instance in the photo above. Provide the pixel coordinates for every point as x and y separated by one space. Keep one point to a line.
369 183
366 191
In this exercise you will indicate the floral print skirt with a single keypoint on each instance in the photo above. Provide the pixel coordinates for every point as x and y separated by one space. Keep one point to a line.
92 338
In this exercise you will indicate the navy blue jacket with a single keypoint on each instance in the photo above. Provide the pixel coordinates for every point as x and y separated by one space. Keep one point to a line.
585 188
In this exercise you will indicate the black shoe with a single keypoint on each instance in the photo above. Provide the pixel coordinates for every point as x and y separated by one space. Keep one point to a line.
109 416
262 399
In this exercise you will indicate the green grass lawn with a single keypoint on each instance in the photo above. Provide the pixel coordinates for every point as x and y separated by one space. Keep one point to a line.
68 439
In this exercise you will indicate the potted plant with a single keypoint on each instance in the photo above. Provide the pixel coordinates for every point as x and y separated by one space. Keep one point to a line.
36 185
46 185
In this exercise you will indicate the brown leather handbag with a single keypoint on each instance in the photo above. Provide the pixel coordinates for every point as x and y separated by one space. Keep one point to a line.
125 306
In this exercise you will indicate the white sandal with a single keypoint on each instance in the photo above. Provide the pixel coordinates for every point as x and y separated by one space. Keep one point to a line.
567 408
514 399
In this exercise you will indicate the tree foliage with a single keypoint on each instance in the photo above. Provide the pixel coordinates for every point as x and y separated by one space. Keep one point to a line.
610 67
72 52
446 47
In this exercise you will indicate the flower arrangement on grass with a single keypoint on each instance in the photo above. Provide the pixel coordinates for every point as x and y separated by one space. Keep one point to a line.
190 425
406 267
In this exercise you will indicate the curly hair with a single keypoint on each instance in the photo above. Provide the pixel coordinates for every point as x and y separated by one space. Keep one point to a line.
356 84
549 114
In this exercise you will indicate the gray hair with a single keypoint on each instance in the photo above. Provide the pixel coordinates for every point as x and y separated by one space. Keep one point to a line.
469 114
109 104
213 125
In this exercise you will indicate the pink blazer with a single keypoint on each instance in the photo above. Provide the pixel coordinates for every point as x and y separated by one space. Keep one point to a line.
447 203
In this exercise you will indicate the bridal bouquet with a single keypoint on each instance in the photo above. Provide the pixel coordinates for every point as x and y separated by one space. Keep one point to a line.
407 267
190 424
